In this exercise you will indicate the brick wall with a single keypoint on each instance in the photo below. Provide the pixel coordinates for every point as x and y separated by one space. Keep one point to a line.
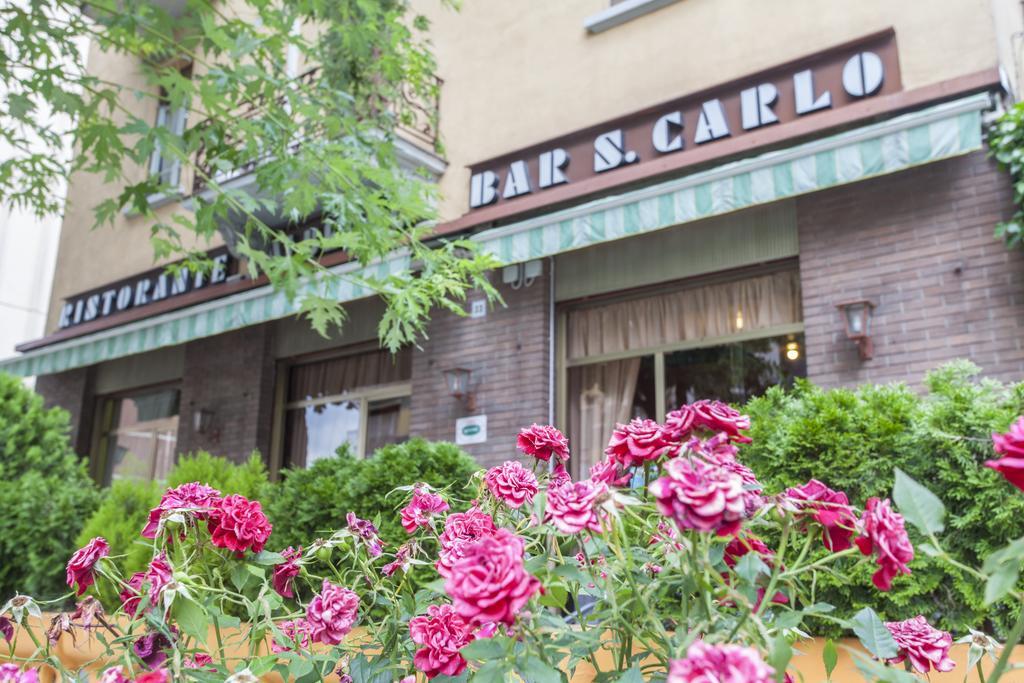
508 353
72 391
231 375
919 244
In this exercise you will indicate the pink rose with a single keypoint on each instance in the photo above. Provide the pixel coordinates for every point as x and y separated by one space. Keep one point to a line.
924 645
366 532
152 649
461 529
114 674
608 472
10 673
199 660
402 560
718 448
442 633
489 583
716 416
331 614
511 483
542 442
572 506
698 495
157 576
238 524
420 509
679 423
193 497
295 632
559 475
1011 446
882 532
720 664
831 509
158 676
285 572
82 562
639 442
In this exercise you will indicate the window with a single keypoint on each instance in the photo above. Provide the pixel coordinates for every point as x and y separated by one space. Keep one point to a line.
361 400
642 357
164 167
140 435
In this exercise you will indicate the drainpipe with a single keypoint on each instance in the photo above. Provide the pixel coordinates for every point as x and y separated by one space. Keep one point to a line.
551 339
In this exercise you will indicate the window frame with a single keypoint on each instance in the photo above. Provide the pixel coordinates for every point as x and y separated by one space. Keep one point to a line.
365 395
563 362
105 411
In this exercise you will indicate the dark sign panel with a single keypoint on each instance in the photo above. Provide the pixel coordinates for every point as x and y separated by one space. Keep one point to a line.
143 289
829 80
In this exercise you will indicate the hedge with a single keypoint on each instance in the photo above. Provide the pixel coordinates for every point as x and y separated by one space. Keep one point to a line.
852 439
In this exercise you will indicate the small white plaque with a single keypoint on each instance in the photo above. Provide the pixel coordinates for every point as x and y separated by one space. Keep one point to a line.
478 308
470 430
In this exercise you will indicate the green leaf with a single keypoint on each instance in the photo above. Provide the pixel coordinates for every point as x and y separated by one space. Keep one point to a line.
631 675
485 649
779 657
267 557
876 672
873 634
918 505
536 671
1001 582
240 575
491 672
830 656
192 618
749 566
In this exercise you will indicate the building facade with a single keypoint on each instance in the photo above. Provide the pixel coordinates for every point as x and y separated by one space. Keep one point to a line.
692 199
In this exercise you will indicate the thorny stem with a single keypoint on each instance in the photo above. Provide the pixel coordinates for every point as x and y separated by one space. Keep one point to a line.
1011 642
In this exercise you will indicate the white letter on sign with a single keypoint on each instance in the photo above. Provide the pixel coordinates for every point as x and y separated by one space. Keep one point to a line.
483 189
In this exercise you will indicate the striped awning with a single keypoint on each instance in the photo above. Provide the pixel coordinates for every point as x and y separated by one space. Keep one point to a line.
902 142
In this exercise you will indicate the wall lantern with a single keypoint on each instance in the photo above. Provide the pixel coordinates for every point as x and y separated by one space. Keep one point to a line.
458 381
202 419
857 317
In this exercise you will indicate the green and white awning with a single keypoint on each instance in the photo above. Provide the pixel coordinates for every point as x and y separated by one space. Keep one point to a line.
889 146
893 145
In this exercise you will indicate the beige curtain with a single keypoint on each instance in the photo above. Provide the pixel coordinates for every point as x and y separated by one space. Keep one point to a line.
601 394
714 310
338 375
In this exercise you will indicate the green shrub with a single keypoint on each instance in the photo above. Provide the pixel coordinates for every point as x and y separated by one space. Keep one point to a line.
441 464
309 503
248 478
853 439
46 492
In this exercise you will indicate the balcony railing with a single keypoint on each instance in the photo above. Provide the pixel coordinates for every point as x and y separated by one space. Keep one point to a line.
421 130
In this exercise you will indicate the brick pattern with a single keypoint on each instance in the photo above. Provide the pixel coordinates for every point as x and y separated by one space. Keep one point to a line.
72 391
508 353
920 245
231 375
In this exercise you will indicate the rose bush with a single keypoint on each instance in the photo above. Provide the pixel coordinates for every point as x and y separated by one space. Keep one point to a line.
700 575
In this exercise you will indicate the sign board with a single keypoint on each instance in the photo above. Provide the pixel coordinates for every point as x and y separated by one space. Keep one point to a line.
470 430
478 308
832 79
143 289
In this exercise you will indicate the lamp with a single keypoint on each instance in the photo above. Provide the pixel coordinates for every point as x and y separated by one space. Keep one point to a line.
857 318
458 381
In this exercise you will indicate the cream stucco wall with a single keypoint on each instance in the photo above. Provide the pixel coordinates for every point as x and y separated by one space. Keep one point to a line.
518 72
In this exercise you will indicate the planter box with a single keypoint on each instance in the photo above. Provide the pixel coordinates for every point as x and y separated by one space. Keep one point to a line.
806 664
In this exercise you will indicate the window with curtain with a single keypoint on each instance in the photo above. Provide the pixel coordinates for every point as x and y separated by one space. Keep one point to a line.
359 400
140 435
645 356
